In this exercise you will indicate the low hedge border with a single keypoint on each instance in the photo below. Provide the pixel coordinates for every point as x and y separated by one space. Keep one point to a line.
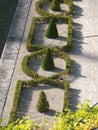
34 47
56 52
66 95
32 83
68 47
16 100
29 45
43 13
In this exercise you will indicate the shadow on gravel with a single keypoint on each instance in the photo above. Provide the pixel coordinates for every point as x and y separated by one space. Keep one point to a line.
50 112
77 12
75 72
77 39
24 102
26 99
61 38
74 99
76 50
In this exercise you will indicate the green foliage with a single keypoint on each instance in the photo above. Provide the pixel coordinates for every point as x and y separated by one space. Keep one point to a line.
55 5
68 47
51 31
33 83
24 124
56 52
66 95
86 118
16 100
26 69
47 62
43 104
44 13
39 10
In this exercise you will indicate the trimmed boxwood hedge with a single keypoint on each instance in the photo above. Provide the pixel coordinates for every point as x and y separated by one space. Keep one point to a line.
26 61
29 45
55 5
52 31
55 52
68 47
47 61
42 104
16 100
66 95
44 13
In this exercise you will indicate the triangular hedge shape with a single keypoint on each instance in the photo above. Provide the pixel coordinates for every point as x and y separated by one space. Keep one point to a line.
42 104
51 31
47 61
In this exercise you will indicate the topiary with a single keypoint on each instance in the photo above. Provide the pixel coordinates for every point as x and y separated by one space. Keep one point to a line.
51 31
47 62
42 104
55 5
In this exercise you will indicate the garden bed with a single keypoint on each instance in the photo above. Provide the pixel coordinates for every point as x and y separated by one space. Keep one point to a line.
56 73
64 8
40 39
36 66
29 98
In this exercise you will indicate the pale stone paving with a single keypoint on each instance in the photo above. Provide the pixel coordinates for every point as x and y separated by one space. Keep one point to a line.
11 50
84 55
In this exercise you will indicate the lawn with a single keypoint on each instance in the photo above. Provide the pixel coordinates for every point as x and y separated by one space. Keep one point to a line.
7 10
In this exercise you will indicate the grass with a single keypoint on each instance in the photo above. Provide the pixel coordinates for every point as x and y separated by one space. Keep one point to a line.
7 10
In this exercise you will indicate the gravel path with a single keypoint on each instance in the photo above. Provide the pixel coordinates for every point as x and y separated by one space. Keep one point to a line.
84 78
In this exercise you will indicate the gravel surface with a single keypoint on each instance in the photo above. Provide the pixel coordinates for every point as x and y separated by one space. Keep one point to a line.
84 77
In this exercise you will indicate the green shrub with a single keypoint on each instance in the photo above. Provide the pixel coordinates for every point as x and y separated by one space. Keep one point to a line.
51 31
55 5
69 43
26 69
66 95
44 13
16 100
42 105
68 47
47 62
86 118
70 29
